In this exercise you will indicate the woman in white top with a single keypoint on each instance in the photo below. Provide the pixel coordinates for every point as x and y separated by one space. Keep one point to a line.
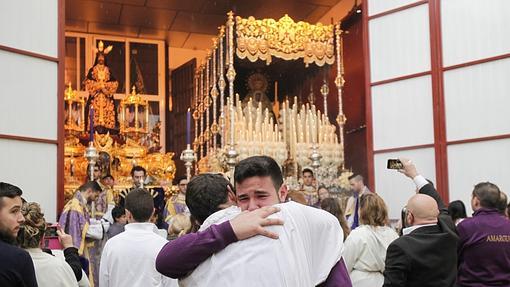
50 271
365 247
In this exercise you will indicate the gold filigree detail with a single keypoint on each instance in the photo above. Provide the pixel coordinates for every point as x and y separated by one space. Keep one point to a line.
286 39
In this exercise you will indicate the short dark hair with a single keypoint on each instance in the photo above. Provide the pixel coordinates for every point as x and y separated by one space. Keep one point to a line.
90 184
205 193
259 166
502 203
488 194
140 203
357 177
117 212
8 190
138 168
307 170
457 210
178 180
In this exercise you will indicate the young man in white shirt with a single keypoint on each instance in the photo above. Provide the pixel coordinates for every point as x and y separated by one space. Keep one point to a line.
129 258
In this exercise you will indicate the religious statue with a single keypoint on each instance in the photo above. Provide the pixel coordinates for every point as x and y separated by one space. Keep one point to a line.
101 86
257 92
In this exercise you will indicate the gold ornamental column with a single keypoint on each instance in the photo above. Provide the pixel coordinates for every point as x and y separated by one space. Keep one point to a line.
222 86
232 154
339 82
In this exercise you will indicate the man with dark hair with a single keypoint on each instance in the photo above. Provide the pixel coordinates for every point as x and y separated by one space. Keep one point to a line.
87 232
119 218
259 185
129 258
484 248
203 204
177 204
358 188
426 254
16 266
308 187
139 177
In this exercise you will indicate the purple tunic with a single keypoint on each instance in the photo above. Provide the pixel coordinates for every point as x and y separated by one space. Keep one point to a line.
484 249
181 256
75 220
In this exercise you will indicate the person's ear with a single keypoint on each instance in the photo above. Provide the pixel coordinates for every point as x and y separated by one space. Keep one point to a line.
129 216
409 219
231 196
282 193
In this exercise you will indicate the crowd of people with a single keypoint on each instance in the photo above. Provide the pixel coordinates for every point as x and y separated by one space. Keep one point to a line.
253 231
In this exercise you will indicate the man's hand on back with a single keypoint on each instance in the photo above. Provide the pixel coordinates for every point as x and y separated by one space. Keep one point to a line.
251 223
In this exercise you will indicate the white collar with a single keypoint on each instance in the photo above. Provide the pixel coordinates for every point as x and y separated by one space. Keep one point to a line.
140 226
408 230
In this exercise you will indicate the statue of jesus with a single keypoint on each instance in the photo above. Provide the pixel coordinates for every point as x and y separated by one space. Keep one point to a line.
101 86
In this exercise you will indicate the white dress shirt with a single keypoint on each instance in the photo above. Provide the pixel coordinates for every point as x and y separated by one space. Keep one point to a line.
309 245
129 258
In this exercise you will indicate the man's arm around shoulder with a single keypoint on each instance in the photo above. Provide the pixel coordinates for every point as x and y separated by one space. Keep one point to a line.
182 255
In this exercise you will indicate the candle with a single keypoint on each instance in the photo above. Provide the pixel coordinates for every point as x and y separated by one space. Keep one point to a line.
188 127
91 122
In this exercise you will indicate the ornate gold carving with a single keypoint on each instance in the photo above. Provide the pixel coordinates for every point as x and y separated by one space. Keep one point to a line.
134 114
263 39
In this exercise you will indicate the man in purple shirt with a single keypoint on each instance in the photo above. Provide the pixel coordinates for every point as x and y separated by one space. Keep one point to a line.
259 184
484 248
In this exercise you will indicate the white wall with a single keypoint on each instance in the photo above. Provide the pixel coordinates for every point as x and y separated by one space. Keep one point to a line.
402 111
476 96
29 100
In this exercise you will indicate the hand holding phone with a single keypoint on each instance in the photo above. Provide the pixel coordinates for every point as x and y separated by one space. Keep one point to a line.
51 238
65 239
394 164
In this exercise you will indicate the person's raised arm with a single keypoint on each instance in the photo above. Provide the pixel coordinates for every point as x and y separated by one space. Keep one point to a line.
423 186
181 256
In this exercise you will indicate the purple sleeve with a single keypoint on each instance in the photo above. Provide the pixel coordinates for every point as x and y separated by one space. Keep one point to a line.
182 255
338 276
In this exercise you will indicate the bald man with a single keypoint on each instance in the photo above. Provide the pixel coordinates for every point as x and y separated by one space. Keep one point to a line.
426 254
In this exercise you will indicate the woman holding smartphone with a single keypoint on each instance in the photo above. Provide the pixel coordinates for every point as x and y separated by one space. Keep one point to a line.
50 270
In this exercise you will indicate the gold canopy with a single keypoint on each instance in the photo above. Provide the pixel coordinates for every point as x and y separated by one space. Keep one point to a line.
286 39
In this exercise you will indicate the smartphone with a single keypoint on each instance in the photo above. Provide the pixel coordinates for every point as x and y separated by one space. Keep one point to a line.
394 164
51 230
50 240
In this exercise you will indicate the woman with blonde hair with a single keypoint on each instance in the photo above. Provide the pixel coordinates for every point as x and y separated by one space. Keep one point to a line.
50 271
365 247
334 206
180 224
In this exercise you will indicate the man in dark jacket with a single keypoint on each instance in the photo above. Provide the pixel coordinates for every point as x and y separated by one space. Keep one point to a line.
16 266
426 255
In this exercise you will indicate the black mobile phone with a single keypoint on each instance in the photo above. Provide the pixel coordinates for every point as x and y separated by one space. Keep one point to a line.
51 231
394 164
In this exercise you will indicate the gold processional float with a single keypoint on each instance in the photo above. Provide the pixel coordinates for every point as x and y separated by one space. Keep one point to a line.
114 154
296 135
